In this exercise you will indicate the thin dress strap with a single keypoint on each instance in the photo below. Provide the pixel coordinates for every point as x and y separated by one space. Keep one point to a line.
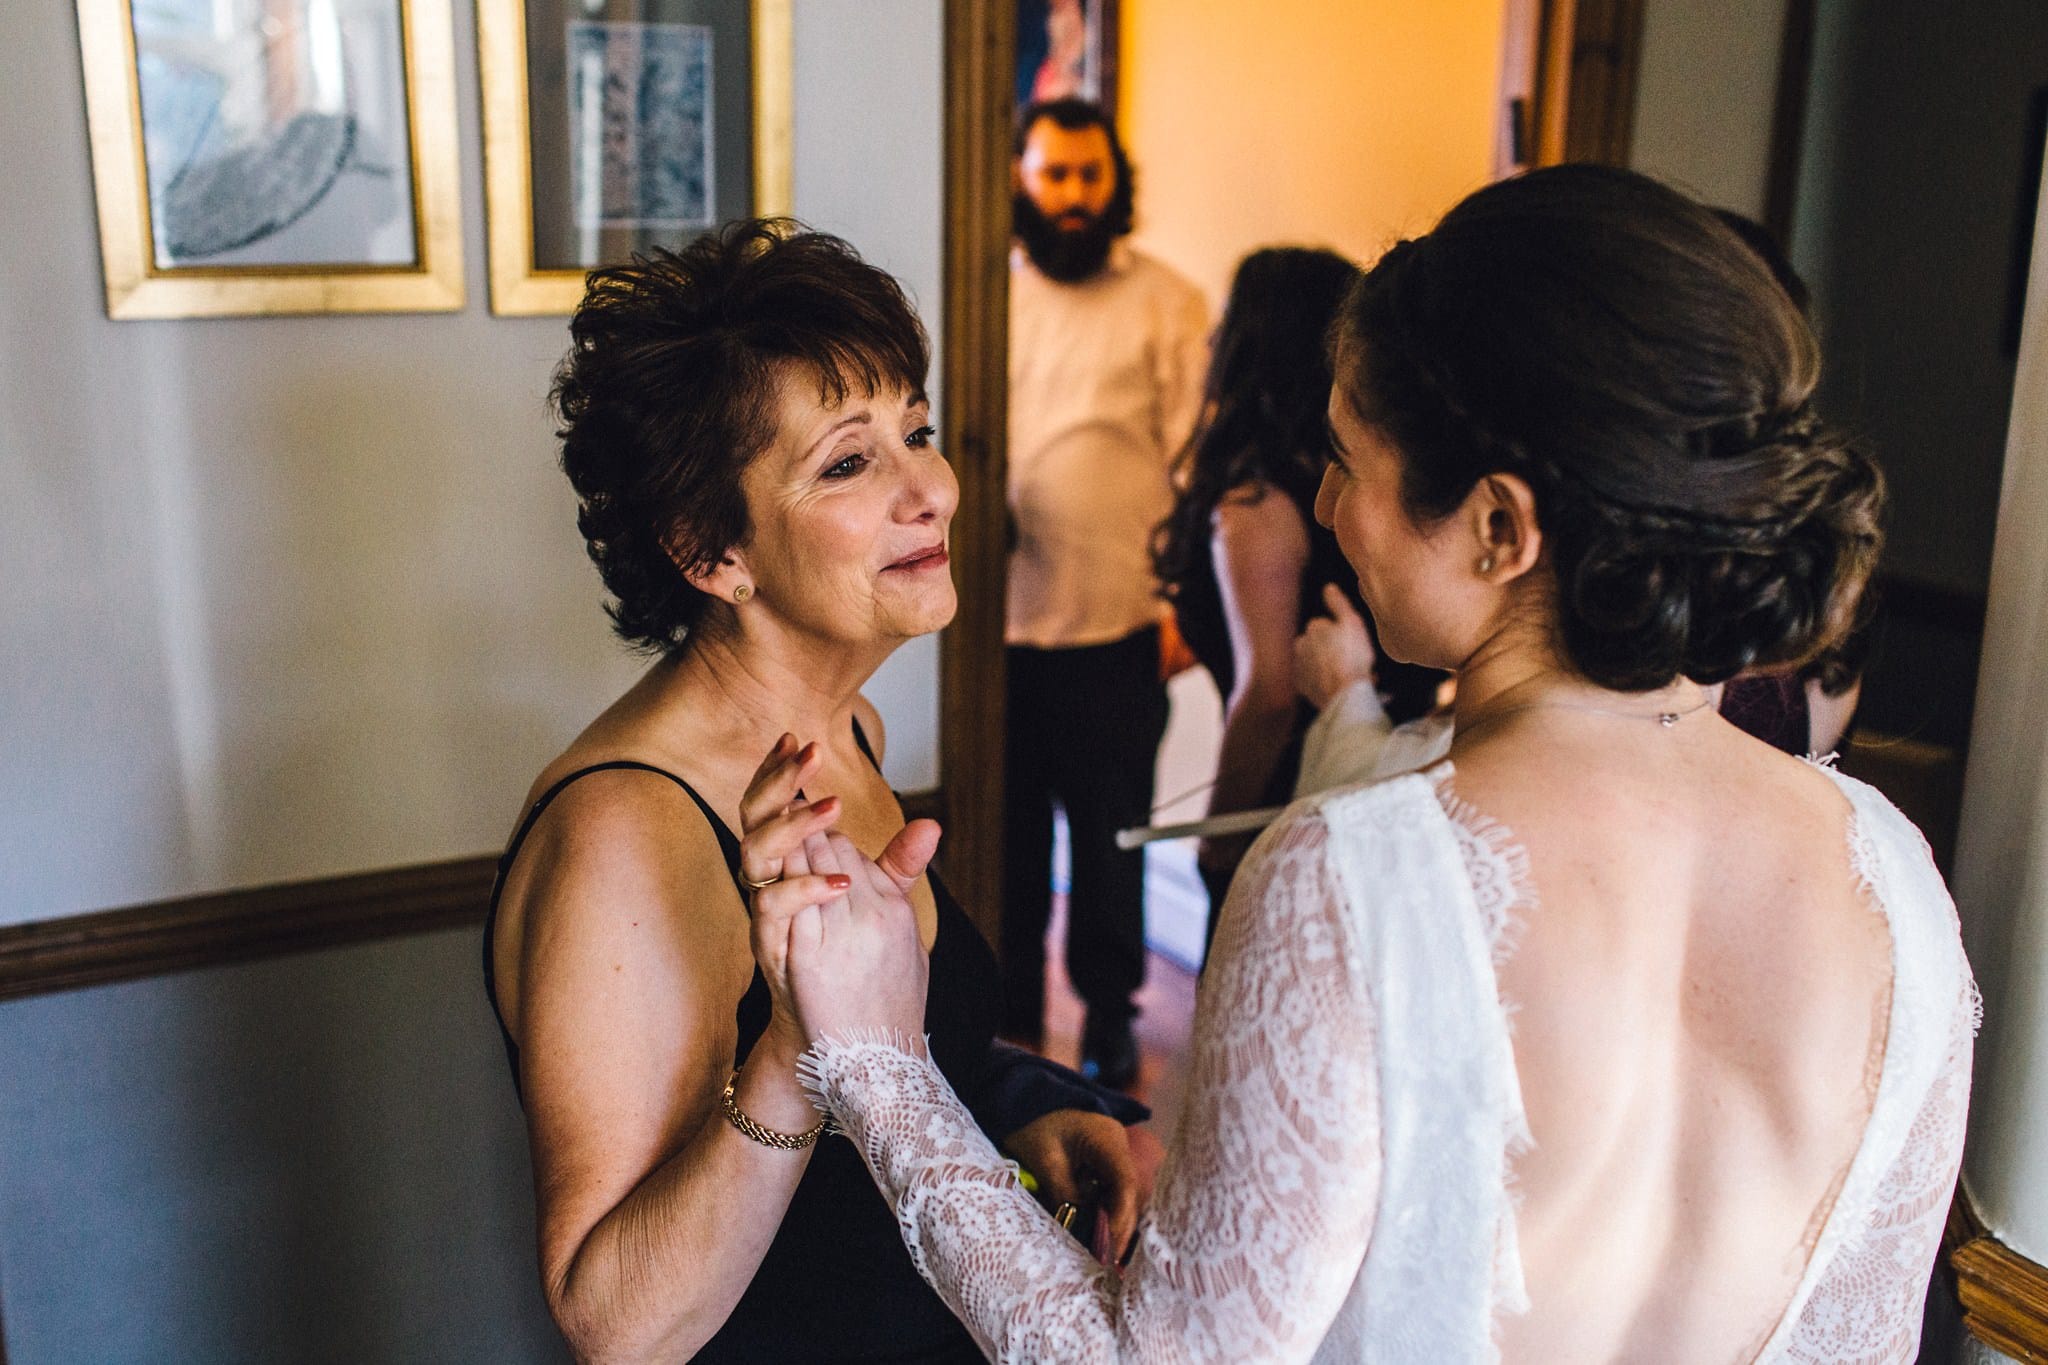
861 739
728 842
727 845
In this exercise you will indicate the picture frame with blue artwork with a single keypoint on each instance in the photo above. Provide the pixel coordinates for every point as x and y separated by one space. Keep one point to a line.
256 157
614 126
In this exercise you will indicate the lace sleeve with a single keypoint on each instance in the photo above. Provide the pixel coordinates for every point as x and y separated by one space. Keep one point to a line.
1265 1204
1866 1306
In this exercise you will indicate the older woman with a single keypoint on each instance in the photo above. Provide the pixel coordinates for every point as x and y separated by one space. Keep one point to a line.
746 428
1575 462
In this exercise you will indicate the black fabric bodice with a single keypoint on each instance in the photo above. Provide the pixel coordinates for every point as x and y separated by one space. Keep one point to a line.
837 1283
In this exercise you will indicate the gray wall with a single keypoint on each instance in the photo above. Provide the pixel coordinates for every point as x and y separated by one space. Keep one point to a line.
312 1159
1706 91
1905 226
286 597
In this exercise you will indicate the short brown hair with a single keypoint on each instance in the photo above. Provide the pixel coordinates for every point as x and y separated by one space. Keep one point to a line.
668 394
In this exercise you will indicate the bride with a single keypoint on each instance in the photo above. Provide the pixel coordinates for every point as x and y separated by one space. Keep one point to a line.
1617 1035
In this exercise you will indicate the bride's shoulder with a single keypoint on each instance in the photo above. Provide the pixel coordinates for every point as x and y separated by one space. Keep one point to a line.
1381 821
1362 802
1869 805
1887 850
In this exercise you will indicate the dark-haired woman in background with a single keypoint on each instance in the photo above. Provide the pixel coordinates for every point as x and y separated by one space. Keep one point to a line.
746 428
1575 463
1241 556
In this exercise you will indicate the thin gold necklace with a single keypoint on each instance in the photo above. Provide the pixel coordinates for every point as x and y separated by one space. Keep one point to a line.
1665 719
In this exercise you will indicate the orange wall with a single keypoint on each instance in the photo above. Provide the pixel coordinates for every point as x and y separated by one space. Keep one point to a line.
1339 123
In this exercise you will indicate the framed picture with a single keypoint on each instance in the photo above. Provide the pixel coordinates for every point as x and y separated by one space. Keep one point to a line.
612 126
273 156
1067 47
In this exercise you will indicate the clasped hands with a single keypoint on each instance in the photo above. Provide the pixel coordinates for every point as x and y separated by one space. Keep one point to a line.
819 900
836 938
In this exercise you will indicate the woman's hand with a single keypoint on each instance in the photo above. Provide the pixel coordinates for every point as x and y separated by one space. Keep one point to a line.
835 934
1073 1153
775 826
1332 652
857 963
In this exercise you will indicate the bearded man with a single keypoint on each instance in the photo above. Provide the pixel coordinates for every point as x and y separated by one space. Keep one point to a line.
1107 352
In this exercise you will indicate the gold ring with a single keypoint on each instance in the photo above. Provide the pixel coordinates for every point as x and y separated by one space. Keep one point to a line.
753 885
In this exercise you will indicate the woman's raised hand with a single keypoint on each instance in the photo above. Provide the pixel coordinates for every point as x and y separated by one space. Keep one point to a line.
1332 652
834 931
774 825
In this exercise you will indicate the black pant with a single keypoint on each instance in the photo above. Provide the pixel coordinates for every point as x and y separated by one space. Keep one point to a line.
1216 882
1084 727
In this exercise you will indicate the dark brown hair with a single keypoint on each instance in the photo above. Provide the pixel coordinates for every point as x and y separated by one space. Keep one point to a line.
1617 346
668 394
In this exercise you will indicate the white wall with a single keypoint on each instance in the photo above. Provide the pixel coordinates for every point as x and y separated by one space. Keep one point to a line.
1706 93
2001 880
1299 122
289 597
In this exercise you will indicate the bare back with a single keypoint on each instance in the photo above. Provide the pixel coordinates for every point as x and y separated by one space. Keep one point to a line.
1699 986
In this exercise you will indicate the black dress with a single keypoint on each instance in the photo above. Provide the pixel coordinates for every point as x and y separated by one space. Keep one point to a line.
837 1283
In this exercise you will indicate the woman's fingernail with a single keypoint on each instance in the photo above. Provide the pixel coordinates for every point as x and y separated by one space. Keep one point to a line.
839 882
826 804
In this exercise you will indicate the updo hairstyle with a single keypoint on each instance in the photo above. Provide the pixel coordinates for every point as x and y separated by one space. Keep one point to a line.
1615 345
670 389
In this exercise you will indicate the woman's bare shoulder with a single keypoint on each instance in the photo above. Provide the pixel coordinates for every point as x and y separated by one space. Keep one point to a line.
1256 511
621 868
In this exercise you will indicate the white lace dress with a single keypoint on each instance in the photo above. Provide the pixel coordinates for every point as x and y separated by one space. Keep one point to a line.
1338 1188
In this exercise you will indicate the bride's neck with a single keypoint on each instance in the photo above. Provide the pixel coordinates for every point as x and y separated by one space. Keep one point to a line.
1522 670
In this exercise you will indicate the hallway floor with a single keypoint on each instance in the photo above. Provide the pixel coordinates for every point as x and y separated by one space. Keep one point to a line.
1166 1013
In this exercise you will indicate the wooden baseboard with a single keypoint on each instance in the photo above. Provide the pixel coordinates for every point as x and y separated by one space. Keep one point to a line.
2004 1295
2005 1298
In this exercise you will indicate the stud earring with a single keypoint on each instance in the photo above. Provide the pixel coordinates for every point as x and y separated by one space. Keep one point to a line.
742 592
1486 565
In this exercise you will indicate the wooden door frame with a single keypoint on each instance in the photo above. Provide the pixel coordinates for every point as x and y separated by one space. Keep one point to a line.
1581 94
980 64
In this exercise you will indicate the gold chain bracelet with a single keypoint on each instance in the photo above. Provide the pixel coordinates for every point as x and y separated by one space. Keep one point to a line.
767 1137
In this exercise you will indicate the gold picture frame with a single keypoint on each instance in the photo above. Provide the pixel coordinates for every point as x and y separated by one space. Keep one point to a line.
425 274
519 285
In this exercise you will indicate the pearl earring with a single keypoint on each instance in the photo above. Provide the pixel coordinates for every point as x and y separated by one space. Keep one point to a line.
742 592
1486 565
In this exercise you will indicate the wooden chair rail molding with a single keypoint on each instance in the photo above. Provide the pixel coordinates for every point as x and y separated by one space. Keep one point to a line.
237 926
2004 1295
269 921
